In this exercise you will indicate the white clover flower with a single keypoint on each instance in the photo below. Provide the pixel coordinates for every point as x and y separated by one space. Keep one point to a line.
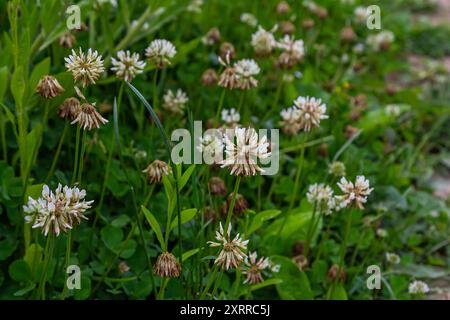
245 70
290 123
381 41
249 19
393 110
359 48
382 233
127 65
175 103
322 197
293 51
232 251
231 117
242 156
312 110
58 211
392 258
160 51
354 193
263 41
212 146
418 287
360 14
195 6
253 268
86 68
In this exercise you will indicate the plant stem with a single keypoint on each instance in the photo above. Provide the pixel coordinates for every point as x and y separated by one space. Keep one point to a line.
77 147
219 109
67 261
310 230
81 161
58 152
296 182
233 201
47 256
210 282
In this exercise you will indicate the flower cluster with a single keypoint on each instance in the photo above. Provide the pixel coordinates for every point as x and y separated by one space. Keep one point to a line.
57 211
85 67
160 52
127 65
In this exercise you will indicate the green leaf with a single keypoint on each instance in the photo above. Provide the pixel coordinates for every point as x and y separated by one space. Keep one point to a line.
186 215
337 292
34 191
33 255
25 290
7 248
85 291
168 187
259 219
295 285
33 138
3 81
155 227
11 118
20 271
189 254
18 85
269 282
112 237
185 177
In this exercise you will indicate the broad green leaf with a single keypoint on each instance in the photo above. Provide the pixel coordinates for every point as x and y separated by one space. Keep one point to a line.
33 255
112 237
25 290
259 219
295 284
18 85
20 271
155 226
34 191
186 215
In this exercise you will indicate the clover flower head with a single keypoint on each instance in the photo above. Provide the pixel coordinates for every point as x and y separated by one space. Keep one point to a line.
232 250
175 102
243 149
354 193
263 42
57 211
231 117
245 70
127 65
418 287
322 197
312 110
160 52
85 67
254 268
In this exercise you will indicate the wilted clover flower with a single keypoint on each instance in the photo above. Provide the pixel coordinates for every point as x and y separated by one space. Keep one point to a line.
312 110
293 51
243 149
86 68
156 170
167 266
217 186
67 40
232 251
159 52
127 65
263 42
322 197
231 117
356 193
392 258
418 287
175 103
290 123
228 78
245 70
87 116
337 168
253 268
48 87
58 211
69 108
381 41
